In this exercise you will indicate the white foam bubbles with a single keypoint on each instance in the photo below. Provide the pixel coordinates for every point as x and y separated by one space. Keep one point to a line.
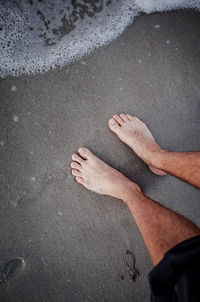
150 6
37 36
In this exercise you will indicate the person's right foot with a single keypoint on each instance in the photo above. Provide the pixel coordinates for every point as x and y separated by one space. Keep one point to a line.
133 132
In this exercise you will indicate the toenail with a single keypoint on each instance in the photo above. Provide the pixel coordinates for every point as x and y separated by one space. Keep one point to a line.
112 121
82 150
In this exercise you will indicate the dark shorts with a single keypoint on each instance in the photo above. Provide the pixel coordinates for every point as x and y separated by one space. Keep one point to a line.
177 276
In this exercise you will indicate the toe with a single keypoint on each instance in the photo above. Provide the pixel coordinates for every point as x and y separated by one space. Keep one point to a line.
157 171
77 158
79 180
113 125
129 117
76 172
76 166
85 153
124 117
118 119
135 118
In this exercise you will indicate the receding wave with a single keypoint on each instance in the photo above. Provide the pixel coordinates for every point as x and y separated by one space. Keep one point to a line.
39 35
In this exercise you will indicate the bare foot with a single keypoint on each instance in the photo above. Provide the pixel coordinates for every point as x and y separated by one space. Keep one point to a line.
133 132
98 177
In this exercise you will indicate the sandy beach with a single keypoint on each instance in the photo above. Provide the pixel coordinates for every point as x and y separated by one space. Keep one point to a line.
73 240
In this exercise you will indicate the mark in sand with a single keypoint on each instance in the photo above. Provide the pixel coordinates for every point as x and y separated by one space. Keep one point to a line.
14 88
133 272
16 118
11 270
20 197
157 26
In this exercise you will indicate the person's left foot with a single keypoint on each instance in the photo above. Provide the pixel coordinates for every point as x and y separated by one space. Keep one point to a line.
12 269
98 177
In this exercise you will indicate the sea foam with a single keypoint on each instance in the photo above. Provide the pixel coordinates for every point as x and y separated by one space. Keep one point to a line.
37 36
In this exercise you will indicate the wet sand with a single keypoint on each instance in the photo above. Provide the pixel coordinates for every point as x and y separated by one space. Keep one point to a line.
73 240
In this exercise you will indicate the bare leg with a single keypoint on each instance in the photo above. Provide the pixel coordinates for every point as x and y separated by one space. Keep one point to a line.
133 132
185 165
160 227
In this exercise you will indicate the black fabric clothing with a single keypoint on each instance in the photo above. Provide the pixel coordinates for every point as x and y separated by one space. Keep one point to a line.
176 278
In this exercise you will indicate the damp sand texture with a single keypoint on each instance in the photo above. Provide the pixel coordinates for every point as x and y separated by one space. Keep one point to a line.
73 241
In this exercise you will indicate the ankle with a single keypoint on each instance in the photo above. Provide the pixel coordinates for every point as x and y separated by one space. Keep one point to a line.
156 158
131 192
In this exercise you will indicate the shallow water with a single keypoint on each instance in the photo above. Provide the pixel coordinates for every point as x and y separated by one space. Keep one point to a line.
36 36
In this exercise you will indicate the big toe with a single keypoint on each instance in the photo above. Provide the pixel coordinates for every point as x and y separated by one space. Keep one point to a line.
114 126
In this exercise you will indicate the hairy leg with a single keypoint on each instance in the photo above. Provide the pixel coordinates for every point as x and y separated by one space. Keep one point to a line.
161 228
184 165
